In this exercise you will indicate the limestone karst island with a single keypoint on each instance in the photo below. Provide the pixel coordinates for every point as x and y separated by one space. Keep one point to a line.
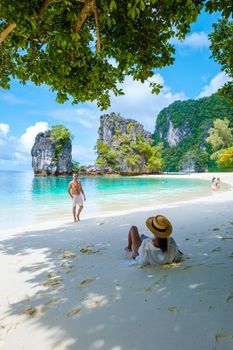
180 142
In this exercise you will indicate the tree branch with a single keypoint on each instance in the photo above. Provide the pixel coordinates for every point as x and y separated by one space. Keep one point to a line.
43 7
87 8
7 31
98 44
90 6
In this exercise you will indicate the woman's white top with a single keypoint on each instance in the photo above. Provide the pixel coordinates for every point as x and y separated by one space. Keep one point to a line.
150 255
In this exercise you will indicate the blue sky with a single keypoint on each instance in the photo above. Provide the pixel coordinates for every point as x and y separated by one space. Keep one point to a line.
26 110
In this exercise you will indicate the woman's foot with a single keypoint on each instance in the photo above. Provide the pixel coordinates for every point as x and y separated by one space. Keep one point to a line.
134 255
127 249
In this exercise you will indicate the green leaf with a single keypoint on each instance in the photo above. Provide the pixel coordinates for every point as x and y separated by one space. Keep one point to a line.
112 6
142 5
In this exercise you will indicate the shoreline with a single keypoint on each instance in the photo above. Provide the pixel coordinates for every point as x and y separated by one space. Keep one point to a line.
225 195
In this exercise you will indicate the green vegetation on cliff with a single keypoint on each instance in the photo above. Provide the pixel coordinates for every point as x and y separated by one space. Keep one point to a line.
136 153
62 136
183 128
61 133
106 156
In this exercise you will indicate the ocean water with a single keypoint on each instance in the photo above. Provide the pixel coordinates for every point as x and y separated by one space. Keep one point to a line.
27 200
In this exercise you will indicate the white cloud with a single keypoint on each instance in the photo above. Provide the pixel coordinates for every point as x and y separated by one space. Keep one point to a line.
195 40
215 83
83 116
16 151
14 100
28 138
140 104
11 149
137 103
4 128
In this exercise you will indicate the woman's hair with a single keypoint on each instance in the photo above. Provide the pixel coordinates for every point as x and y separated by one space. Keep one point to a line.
162 243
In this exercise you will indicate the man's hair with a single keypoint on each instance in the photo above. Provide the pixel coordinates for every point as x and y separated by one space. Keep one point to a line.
75 174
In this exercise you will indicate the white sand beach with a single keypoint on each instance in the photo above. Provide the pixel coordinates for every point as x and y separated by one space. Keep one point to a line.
73 287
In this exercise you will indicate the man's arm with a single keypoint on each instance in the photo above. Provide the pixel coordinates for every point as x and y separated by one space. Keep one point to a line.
69 190
81 189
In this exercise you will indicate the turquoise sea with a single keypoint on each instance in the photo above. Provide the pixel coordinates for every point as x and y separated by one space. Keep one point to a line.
27 200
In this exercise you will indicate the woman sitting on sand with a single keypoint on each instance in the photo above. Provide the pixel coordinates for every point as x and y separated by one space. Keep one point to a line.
159 250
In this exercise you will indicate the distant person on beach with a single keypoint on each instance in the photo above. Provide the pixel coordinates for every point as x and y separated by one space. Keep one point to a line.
75 191
215 184
159 250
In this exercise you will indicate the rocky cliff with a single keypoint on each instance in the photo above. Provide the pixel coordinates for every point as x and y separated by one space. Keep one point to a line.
50 156
113 124
183 128
124 146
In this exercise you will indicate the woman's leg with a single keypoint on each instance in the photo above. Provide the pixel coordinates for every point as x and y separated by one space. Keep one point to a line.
134 240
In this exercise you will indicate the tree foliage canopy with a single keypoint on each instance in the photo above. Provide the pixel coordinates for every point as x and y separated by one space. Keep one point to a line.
225 158
222 52
83 48
221 140
220 136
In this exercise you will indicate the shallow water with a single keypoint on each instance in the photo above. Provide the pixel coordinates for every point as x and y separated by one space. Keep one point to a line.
26 200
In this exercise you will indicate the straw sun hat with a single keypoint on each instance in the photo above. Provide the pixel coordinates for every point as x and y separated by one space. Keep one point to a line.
159 225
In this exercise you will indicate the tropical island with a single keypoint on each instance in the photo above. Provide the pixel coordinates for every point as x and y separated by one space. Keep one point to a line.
189 136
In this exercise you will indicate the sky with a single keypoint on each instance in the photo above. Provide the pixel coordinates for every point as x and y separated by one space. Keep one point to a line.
26 110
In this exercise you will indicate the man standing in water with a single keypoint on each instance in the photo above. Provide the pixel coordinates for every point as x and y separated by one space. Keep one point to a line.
75 191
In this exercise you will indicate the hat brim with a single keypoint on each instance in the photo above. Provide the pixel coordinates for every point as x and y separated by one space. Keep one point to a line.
158 233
